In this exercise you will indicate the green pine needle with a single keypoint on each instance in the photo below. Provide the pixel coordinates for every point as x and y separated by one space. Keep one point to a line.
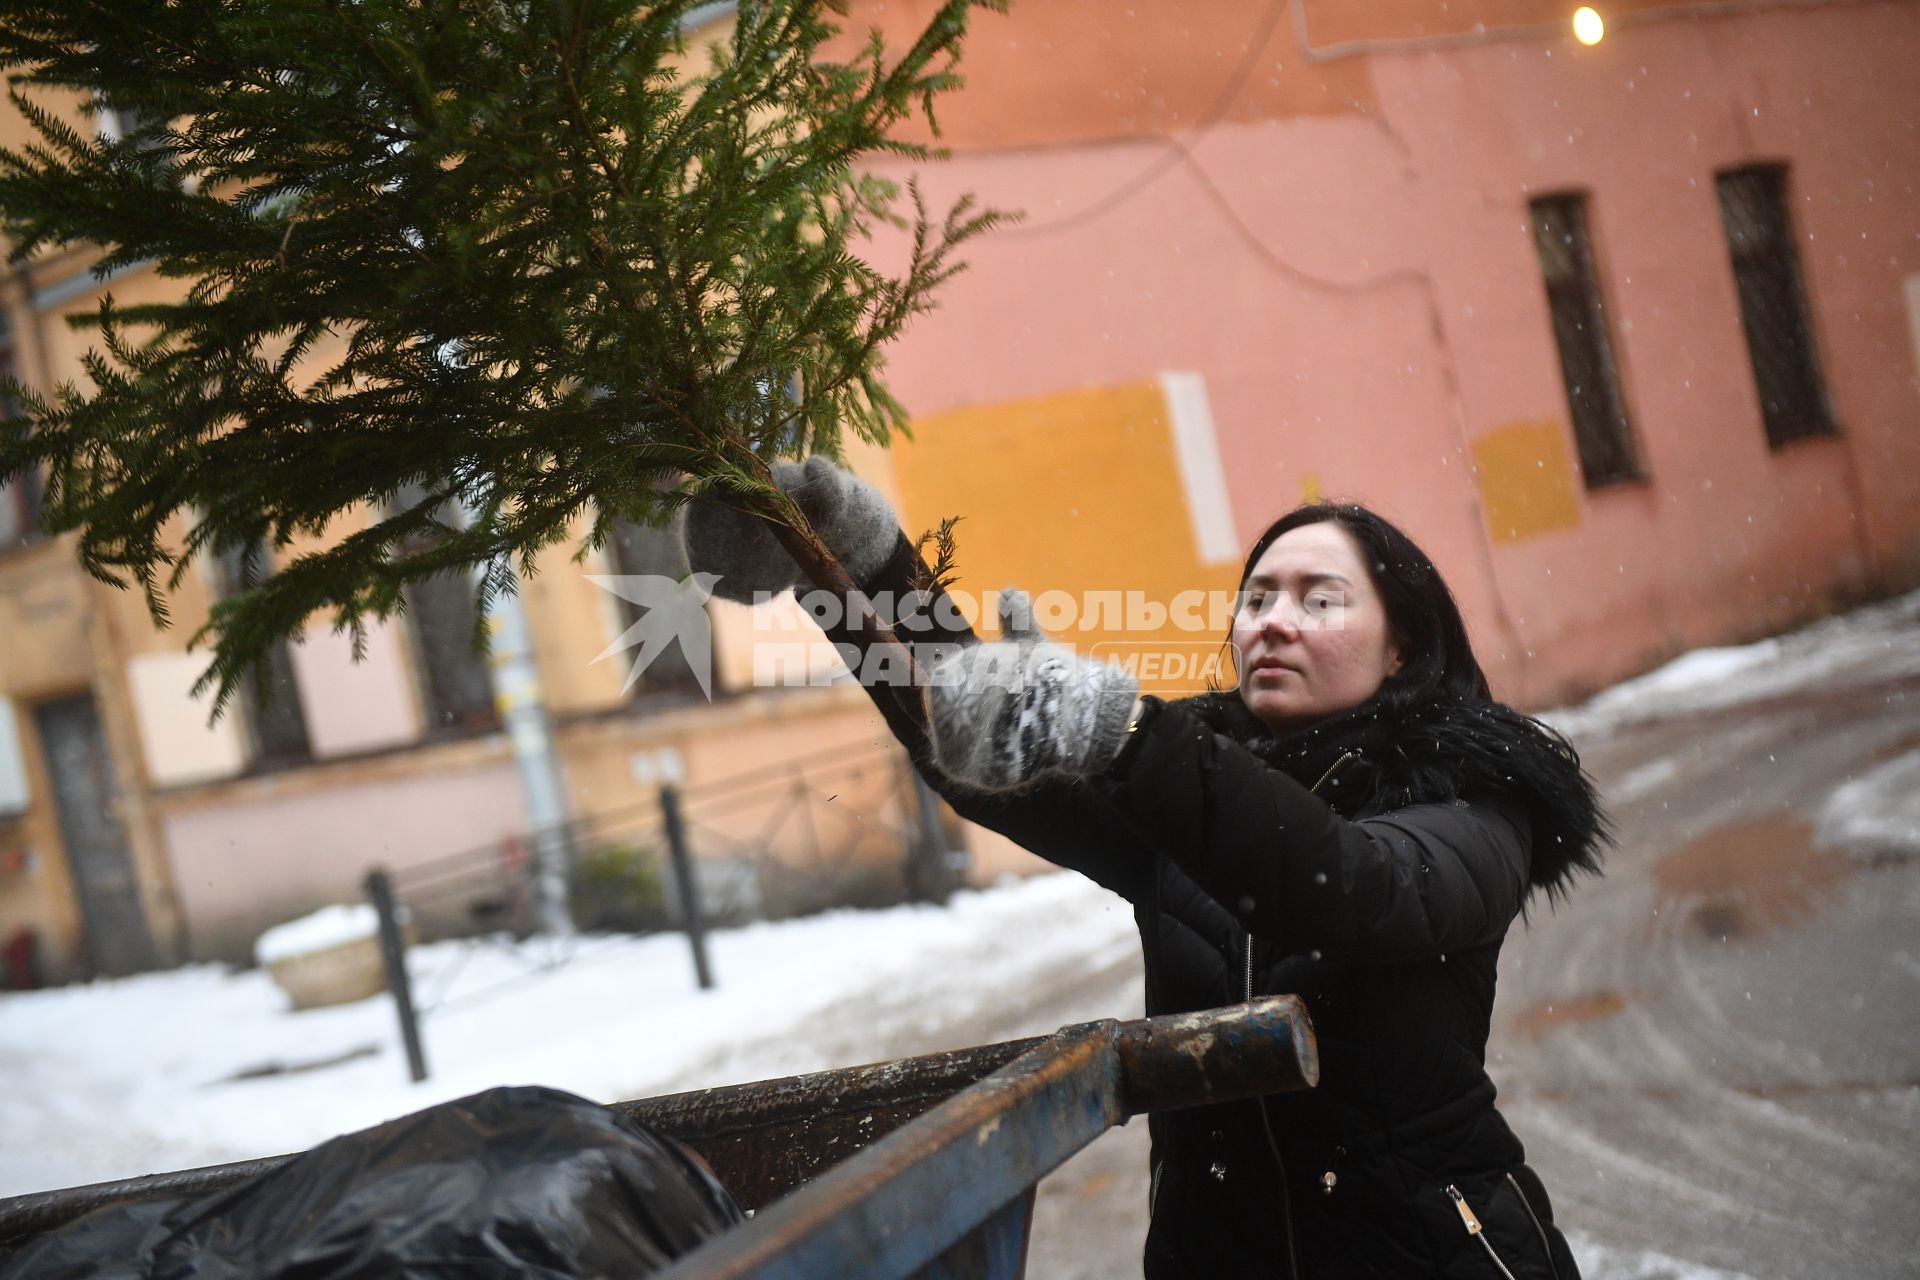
548 276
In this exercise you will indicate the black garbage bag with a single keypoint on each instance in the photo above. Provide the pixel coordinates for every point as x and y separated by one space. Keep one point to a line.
523 1182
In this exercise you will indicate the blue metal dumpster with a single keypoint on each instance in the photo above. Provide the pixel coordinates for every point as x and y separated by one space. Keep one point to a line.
920 1167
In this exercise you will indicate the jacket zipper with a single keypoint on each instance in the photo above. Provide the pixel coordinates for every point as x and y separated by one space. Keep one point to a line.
1266 1123
1273 1145
1545 1244
1474 1228
1331 770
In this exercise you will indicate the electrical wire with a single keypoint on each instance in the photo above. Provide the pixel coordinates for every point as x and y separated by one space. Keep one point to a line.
1160 164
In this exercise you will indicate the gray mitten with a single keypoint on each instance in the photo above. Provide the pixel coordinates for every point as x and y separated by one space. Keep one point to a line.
850 515
1008 714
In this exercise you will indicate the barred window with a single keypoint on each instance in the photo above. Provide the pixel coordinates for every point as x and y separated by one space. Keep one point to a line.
639 550
443 611
20 494
19 510
1598 410
1773 303
269 695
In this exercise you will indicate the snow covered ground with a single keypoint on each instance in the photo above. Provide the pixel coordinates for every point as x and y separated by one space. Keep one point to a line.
170 1070
202 1065
1875 644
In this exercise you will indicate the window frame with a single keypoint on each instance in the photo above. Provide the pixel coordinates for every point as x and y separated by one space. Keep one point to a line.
680 685
1800 314
1613 432
423 642
268 751
21 492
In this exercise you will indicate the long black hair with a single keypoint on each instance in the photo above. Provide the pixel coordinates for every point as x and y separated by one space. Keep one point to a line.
1436 657
1432 732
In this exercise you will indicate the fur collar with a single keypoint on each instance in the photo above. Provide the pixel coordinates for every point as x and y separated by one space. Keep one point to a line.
1435 753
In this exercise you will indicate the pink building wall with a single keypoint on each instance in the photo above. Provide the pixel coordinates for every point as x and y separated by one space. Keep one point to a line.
1343 252
243 864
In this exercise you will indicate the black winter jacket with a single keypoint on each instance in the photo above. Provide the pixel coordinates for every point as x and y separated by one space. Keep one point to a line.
1372 865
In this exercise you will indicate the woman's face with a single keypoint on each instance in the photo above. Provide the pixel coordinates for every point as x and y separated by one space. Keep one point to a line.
1311 634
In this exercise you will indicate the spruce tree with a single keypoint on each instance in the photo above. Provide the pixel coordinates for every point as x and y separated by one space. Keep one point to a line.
559 275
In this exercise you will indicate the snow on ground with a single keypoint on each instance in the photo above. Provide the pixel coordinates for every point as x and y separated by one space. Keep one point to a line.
146 1068
1881 642
1878 811
151 1069
329 927
201 1065
1598 1260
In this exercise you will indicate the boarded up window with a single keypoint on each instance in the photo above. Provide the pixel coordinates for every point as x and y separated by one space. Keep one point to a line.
1594 401
1773 303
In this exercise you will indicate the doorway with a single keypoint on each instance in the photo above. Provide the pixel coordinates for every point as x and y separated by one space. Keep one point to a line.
87 799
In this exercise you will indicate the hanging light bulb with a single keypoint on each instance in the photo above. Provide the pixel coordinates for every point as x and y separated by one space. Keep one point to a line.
1588 26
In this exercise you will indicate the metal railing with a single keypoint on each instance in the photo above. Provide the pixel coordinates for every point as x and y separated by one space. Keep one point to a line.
719 851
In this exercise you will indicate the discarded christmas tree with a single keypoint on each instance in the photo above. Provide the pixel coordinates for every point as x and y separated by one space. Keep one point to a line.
511 260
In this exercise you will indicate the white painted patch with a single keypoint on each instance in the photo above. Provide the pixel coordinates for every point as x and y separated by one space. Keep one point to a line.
13 763
355 706
1202 477
175 737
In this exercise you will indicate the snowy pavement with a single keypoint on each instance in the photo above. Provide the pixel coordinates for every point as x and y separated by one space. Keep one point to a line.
1713 1053
168 1070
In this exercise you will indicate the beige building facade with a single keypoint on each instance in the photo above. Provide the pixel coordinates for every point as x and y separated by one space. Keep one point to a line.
136 830
1628 337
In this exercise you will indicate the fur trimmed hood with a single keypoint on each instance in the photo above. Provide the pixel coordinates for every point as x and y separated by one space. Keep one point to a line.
1434 753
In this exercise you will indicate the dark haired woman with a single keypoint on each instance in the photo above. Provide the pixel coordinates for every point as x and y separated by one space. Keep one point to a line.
1357 822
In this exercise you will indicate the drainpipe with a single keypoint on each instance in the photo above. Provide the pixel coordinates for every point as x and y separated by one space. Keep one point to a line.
523 712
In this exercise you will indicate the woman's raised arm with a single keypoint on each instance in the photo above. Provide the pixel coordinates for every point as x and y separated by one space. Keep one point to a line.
1063 820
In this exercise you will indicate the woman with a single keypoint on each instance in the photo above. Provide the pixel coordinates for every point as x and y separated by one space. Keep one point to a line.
1356 822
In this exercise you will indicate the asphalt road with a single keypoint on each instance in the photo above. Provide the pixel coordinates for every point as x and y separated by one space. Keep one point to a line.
1713 1053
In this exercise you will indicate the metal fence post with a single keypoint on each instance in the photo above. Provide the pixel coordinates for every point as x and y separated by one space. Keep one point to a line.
393 950
691 914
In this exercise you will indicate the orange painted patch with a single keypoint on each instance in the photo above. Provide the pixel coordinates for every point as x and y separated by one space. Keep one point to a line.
1528 482
1075 493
